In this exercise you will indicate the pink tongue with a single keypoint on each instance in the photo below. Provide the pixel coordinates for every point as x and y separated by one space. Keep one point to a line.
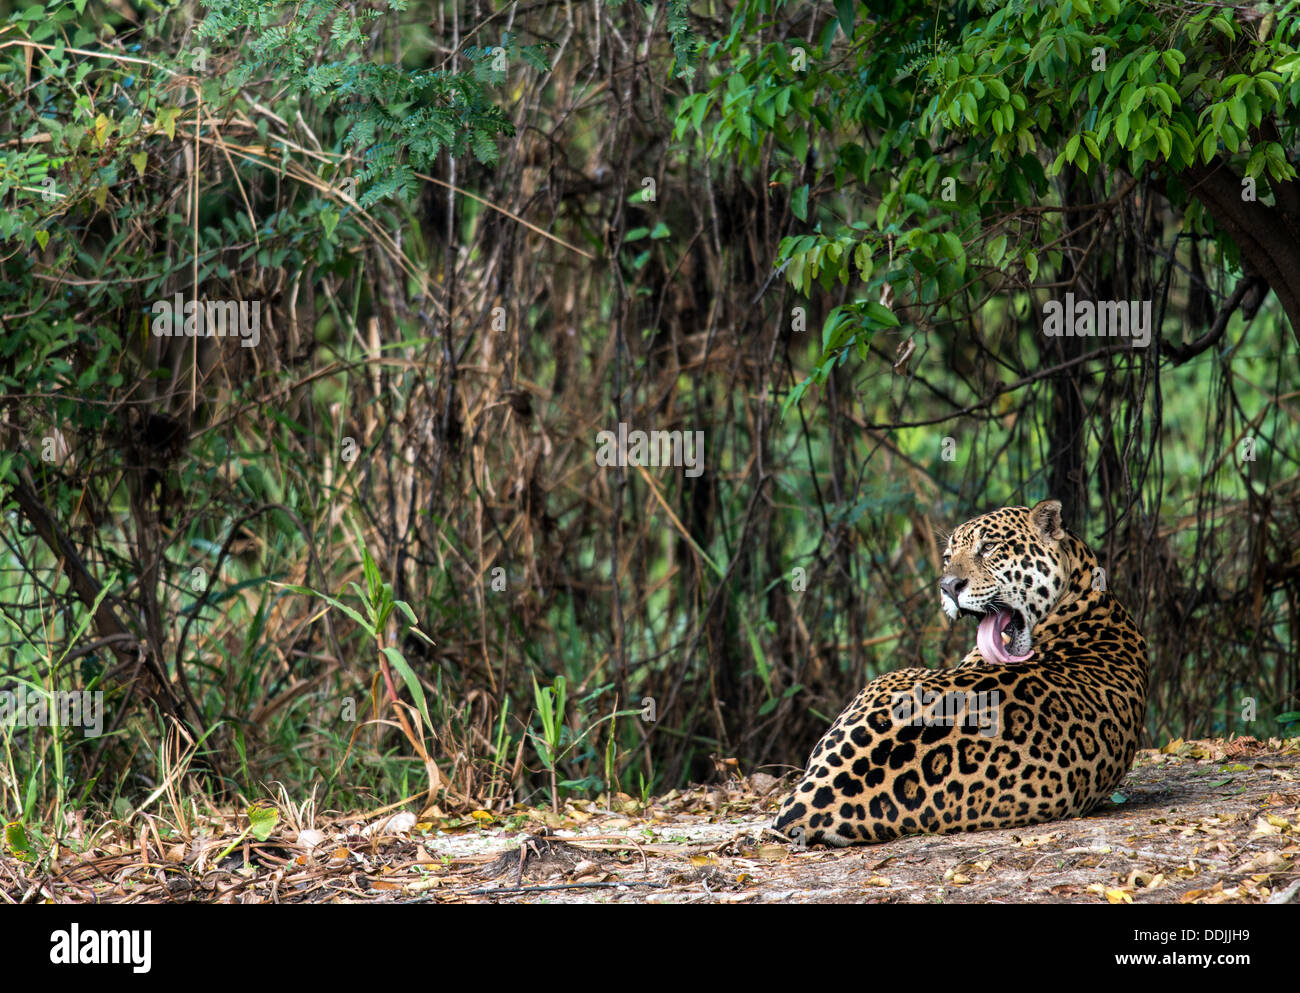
989 639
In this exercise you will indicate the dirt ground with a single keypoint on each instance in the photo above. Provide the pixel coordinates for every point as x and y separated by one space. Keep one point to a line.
1196 822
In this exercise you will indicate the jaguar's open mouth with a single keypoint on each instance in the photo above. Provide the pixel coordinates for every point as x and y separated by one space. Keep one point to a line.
995 622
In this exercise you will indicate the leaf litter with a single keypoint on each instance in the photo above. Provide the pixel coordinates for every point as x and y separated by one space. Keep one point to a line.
1205 822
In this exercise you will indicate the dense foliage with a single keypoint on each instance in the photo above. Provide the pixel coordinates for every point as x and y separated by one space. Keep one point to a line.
822 238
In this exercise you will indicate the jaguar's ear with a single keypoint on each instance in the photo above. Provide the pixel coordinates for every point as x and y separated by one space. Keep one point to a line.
1045 518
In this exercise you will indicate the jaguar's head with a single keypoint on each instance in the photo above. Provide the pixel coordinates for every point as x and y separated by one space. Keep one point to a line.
1008 568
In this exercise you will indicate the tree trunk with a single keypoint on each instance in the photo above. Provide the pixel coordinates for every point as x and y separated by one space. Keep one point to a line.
1268 237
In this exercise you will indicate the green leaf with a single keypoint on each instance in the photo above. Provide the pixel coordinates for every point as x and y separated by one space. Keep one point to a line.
16 840
796 395
1164 142
799 203
997 249
862 259
1237 111
881 314
409 678
845 11
799 145
1209 146
533 55
262 819
336 604
166 119
970 107
831 329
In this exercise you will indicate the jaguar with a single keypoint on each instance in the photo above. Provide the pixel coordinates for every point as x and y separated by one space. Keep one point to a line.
1040 721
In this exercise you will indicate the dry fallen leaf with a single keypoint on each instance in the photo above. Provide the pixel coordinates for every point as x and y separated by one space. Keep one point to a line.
399 823
1262 861
1035 840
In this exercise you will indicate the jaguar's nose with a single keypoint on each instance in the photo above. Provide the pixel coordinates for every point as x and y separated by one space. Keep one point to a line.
952 586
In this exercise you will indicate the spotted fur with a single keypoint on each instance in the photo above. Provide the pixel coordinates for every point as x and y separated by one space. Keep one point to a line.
915 753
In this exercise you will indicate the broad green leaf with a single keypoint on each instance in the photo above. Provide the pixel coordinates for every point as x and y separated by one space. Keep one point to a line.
881 314
799 202
845 11
1237 111
997 249
262 818
16 839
